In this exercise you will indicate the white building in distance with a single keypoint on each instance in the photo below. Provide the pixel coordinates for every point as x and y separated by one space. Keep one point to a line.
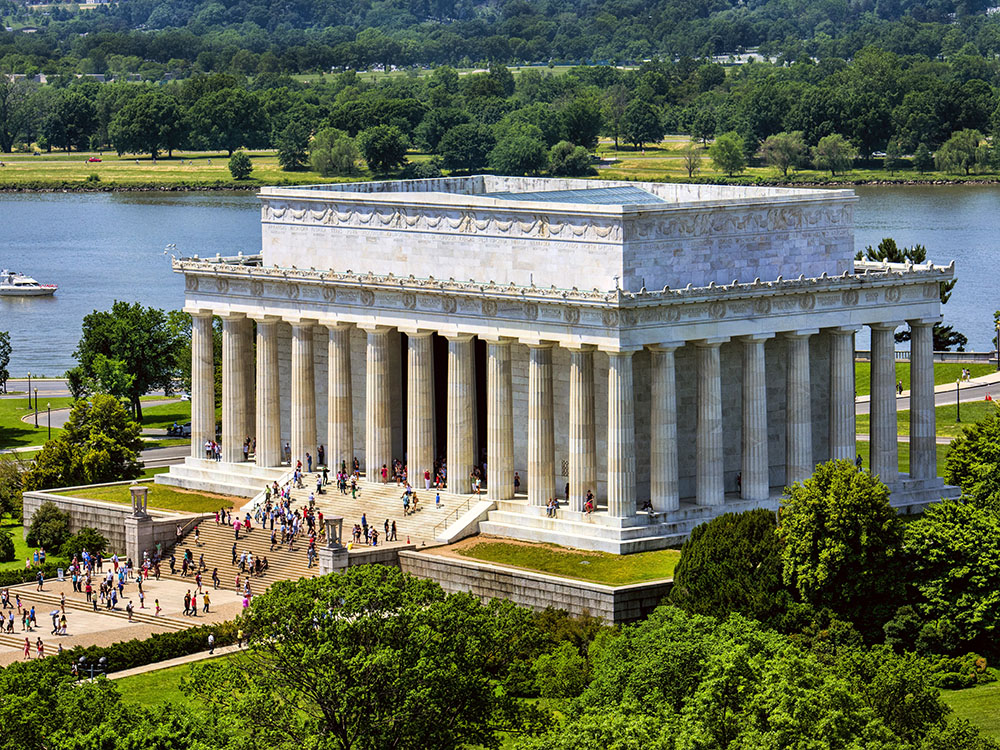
686 346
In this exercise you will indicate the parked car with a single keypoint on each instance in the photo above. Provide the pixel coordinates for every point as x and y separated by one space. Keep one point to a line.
179 430
94 158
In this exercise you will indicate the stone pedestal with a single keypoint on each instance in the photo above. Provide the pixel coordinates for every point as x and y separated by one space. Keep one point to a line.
303 394
621 436
236 355
340 408
541 439
419 406
755 483
202 383
843 434
499 422
378 411
709 480
582 435
798 425
663 468
268 395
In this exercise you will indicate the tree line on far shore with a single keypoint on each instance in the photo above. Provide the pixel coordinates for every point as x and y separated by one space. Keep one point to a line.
904 111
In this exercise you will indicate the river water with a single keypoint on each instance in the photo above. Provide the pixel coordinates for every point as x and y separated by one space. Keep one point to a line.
99 247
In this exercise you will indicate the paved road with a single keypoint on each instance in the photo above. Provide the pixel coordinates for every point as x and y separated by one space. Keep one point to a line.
48 388
942 398
59 416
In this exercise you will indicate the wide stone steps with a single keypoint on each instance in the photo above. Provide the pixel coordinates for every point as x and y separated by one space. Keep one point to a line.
381 501
44 602
216 543
219 477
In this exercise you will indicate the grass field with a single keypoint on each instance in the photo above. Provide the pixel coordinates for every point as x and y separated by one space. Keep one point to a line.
947 424
980 705
21 550
159 687
14 433
164 415
161 497
600 567
904 456
944 372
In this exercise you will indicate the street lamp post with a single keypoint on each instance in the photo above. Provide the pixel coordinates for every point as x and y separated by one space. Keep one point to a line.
958 400
36 408
48 412
29 390
998 346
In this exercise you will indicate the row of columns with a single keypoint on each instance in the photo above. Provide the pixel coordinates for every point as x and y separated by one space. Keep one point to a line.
241 418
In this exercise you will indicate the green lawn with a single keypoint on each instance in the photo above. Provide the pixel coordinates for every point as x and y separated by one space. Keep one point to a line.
164 415
980 705
159 687
600 567
21 550
161 497
947 426
944 372
904 456
14 433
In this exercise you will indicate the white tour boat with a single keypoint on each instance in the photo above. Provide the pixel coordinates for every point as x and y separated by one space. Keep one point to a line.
13 284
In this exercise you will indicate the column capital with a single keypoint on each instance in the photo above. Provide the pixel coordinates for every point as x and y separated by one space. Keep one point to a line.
925 321
496 340
374 328
891 325
580 347
337 325
265 318
615 349
233 316
755 337
310 322
197 312
460 337
711 343
414 332
533 343
666 346
801 333
843 330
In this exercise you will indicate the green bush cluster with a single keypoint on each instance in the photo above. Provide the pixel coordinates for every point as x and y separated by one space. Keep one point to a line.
956 672
85 539
7 551
49 527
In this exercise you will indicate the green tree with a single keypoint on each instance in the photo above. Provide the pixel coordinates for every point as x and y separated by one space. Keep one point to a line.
99 444
953 565
963 152
71 121
137 336
893 161
843 544
85 539
5 352
383 147
727 153
466 147
582 121
922 159
785 151
333 152
519 154
973 461
733 564
111 376
12 471
148 123
240 166
15 111
228 119
7 551
436 123
49 527
834 152
567 160
641 124
293 146
403 665
691 156
560 673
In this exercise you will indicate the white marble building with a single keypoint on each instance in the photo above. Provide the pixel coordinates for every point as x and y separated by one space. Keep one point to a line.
688 345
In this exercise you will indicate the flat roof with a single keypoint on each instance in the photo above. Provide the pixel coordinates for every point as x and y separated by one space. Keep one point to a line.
605 196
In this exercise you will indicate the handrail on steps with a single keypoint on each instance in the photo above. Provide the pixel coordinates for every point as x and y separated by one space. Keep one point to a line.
456 513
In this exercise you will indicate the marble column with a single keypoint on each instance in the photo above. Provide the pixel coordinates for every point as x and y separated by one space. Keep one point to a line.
663 469
303 414
709 476
419 406
582 434
755 481
378 408
461 429
541 436
235 355
339 404
843 435
923 441
499 422
268 394
202 382
621 436
798 411
250 384
884 448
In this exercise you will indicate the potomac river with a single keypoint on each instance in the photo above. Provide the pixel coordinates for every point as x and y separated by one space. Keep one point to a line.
99 247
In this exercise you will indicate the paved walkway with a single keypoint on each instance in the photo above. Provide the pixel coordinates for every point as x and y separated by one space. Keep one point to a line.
970 390
189 659
60 416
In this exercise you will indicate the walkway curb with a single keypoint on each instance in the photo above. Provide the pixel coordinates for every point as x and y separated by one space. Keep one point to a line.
189 659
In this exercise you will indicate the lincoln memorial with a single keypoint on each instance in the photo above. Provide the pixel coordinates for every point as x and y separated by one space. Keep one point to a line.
684 347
